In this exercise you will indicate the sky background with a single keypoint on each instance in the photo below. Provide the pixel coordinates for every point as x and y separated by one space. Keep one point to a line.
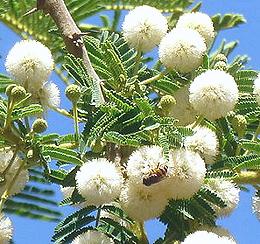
242 224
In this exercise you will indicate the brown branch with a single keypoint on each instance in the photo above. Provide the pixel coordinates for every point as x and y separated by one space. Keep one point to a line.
72 37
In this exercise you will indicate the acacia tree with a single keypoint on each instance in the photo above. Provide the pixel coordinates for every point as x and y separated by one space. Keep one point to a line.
175 140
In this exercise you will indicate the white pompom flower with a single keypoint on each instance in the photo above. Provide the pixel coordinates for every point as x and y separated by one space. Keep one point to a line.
9 174
6 229
182 49
256 206
30 63
142 203
182 110
257 89
205 142
204 237
92 237
213 94
48 95
144 27
218 230
228 192
186 174
99 181
143 161
200 22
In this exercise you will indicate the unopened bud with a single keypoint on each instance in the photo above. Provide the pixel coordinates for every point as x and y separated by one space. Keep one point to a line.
18 93
221 58
39 125
9 89
239 123
97 147
167 101
73 93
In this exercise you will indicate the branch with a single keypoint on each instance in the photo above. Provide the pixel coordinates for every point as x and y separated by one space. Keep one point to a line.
72 37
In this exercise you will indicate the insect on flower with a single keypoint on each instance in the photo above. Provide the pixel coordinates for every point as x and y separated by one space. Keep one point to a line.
155 175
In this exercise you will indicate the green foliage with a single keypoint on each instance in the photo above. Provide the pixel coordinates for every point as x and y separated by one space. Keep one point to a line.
227 21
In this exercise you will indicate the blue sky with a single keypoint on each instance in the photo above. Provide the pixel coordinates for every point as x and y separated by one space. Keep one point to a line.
242 223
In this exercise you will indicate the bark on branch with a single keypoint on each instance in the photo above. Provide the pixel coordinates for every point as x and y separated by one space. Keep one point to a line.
72 37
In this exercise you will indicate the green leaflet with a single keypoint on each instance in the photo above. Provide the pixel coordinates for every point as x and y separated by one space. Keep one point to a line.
62 154
30 110
227 21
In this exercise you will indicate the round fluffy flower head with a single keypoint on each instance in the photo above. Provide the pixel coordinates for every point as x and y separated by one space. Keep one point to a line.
92 237
200 22
256 206
204 237
182 50
182 110
205 142
186 173
257 89
143 161
6 229
48 95
142 203
99 181
218 230
213 94
21 180
144 27
29 62
228 192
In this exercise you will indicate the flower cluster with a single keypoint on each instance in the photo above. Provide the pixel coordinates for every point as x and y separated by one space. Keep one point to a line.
92 237
31 63
256 206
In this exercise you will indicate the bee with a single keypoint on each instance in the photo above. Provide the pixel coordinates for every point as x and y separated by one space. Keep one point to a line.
155 175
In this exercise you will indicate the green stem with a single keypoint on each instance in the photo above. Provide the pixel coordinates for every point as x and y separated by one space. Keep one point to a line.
197 122
116 19
9 114
154 78
248 177
143 237
76 122
9 186
254 138
137 62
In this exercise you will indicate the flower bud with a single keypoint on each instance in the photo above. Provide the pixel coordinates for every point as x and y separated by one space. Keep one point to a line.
239 123
9 89
167 101
73 93
18 93
221 58
221 65
39 125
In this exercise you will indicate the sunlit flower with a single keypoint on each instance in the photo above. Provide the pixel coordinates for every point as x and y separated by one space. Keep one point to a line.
205 142
142 203
204 237
182 50
92 237
200 22
143 161
213 94
144 27
227 191
30 63
186 173
9 174
182 110
257 89
99 181
6 229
